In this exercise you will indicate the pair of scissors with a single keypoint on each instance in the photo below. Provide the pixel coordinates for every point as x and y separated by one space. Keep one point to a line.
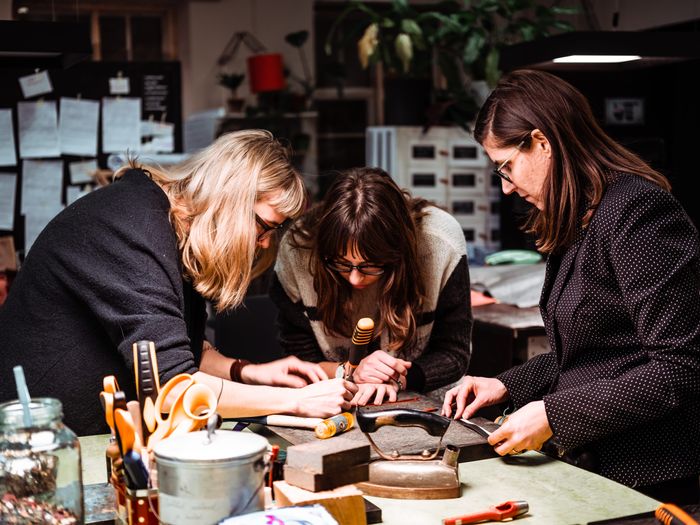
192 404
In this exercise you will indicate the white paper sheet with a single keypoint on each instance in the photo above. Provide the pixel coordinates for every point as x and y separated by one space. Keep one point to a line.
119 86
35 84
42 182
121 124
7 139
81 172
200 129
77 126
8 188
38 129
157 136
73 193
36 221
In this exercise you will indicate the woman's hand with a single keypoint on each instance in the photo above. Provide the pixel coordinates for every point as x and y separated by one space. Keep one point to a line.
324 399
365 391
380 367
472 394
289 371
524 429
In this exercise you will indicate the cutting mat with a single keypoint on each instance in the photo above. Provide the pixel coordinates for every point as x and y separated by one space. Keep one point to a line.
407 440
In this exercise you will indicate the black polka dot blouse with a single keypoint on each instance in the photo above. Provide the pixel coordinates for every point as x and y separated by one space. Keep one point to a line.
621 308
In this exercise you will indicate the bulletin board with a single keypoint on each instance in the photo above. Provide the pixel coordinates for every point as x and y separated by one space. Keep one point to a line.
157 85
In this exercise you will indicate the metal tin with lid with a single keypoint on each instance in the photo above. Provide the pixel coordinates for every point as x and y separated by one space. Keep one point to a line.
203 478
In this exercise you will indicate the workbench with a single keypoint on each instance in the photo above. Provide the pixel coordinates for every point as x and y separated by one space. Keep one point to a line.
558 493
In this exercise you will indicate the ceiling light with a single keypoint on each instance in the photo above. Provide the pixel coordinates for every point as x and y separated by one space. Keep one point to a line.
596 59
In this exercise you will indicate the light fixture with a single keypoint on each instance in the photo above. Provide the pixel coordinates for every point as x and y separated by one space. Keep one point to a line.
601 49
596 59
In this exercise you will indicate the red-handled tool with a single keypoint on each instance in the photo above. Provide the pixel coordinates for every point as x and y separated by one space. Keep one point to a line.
504 511
670 514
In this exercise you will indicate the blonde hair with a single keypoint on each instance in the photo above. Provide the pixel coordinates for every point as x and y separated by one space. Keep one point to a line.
212 195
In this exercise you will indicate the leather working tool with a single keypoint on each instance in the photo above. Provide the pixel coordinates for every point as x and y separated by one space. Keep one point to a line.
192 403
147 382
502 512
361 337
411 476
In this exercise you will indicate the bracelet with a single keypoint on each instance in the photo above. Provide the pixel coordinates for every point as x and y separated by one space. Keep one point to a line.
221 391
236 368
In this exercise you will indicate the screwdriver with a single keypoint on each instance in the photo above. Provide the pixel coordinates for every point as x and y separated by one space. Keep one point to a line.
670 514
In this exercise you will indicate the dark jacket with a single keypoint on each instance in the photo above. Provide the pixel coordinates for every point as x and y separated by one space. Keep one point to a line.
103 274
622 312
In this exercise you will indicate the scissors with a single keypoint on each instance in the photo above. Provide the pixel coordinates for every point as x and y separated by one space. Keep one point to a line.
191 406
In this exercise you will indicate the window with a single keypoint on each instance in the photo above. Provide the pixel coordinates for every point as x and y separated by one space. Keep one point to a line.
121 31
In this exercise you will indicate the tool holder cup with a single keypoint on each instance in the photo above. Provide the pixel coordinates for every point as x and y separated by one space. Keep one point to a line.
134 507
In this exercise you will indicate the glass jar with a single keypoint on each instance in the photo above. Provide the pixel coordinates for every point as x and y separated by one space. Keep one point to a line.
40 470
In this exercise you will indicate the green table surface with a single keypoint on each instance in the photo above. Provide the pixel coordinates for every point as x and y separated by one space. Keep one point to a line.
558 493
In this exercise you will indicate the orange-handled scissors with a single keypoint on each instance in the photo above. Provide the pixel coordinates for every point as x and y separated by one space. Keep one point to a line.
110 384
191 406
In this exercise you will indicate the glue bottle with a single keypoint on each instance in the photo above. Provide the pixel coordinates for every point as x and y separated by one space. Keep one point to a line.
334 425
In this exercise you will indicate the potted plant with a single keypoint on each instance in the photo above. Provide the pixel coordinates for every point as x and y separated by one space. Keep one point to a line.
459 40
232 81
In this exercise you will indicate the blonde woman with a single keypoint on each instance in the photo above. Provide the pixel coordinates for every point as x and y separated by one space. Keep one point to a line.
135 260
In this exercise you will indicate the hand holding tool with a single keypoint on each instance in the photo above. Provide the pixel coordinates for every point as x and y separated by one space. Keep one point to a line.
670 514
504 511
361 337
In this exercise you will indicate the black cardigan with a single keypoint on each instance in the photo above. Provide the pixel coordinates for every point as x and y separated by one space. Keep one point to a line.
104 273
621 307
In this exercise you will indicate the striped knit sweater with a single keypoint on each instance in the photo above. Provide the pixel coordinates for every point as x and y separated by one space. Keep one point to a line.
442 350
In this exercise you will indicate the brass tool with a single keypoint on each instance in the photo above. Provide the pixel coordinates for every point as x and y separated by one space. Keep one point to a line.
413 476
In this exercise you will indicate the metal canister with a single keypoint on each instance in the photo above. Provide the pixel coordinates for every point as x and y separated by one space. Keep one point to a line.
204 478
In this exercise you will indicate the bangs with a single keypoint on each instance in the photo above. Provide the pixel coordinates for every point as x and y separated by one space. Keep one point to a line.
291 200
369 241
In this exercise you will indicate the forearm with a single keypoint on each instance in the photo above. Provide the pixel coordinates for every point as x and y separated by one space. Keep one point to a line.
240 400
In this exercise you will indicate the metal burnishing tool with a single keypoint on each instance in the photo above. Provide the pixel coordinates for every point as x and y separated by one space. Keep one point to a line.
415 476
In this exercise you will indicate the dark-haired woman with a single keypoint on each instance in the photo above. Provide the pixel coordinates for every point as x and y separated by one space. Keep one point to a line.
370 250
620 389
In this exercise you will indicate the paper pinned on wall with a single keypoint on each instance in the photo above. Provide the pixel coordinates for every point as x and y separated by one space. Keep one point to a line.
36 221
8 189
77 126
200 129
73 193
119 86
121 124
35 84
157 136
38 129
42 184
81 172
7 139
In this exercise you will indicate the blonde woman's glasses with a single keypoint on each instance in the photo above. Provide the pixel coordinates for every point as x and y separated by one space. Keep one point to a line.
267 230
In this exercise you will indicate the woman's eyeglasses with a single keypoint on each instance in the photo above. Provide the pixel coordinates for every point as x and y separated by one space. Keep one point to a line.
499 170
267 229
346 267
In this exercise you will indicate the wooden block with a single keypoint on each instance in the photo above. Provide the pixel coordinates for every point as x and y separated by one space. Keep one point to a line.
310 480
328 455
346 503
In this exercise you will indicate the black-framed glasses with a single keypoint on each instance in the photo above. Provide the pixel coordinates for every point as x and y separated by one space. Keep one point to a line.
363 268
499 170
267 229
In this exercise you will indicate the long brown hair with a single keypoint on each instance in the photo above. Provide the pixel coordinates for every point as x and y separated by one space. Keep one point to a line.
212 194
365 209
584 157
